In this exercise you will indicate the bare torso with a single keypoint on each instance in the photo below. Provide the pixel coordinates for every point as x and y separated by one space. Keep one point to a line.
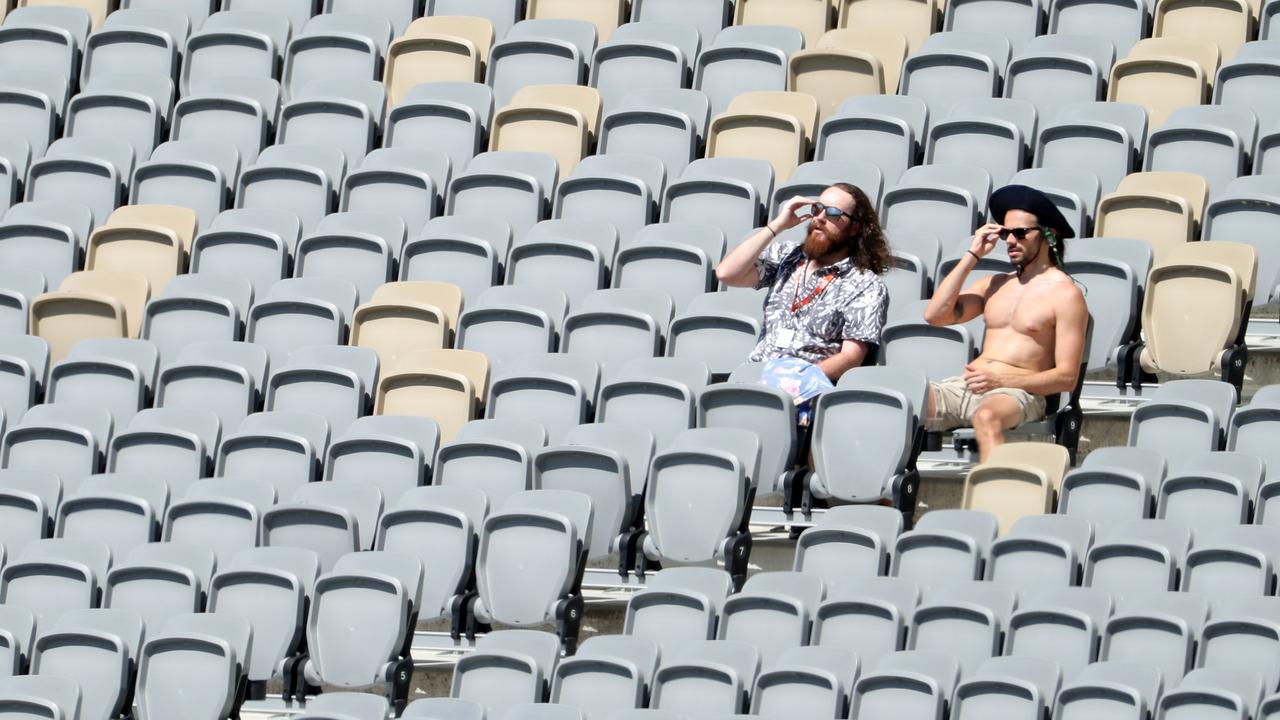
1022 321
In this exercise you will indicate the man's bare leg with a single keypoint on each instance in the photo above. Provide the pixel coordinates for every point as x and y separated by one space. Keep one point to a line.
994 415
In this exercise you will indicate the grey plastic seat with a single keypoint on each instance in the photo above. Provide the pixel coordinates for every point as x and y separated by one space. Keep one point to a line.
445 708
394 453
226 378
1041 552
509 667
1102 137
715 330
745 403
341 113
348 704
66 439
298 178
88 171
1138 556
330 518
910 684
159 582
945 545
616 325
1018 22
659 393
554 389
1110 280
1013 687
465 251
256 244
1245 80
300 312
1210 693
707 16
1062 626
1185 418
643 55
609 672
964 619
667 124
196 308
1052 70
951 66
923 205
188 173
223 514
810 680
1229 562
1112 485
282 448
51 52
1239 639
1110 691
449 117
268 587
1213 490
539 51
45 237
24 368
727 192
339 46
17 289
503 182
112 376
675 257
573 254
706 679
848 542
883 130
405 182
1211 141
680 606
54 576
617 188
1124 24
440 525
97 647
235 43
236 111
124 116
1158 629
509 322
122 511
1246 209
773 612
192 667
744 58
39 696
29 502
30 115
995 145
357 625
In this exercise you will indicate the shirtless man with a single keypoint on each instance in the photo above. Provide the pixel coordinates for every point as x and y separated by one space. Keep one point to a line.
1036 322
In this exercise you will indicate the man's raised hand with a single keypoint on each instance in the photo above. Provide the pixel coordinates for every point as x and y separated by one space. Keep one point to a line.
985 239
787 216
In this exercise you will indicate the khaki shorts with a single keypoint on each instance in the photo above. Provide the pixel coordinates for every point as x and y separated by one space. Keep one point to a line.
954 404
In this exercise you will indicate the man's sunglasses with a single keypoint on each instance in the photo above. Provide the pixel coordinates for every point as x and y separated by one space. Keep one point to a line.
1018 232
832 213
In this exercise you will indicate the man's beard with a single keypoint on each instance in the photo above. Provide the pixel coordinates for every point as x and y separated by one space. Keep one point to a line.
818 244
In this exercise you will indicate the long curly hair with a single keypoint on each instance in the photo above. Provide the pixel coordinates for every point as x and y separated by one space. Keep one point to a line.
868 247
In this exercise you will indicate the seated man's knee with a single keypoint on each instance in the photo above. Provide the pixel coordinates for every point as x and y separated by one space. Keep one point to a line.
986 418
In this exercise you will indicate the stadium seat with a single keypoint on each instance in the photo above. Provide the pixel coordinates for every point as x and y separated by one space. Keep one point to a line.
742 59
609 672
396 454
705 680
668 124
680 606
509 667
160 581
618 188
716 328
912 684
407 183
55 576
540 51
508 322
446 385
299 312
465 251
1158 629
281 448
1109 690
227 378
1164 73
642 56
616 325
575 255
1062 626
556 390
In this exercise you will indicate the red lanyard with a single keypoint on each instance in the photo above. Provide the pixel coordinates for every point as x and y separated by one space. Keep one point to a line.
822 285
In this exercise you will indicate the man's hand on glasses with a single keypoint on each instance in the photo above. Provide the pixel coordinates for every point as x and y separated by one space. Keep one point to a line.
985 238
792 213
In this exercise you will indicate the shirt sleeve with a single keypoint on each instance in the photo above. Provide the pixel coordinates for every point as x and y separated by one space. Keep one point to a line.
865 316
768 262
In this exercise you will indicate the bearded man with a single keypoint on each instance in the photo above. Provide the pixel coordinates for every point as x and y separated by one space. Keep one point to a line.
826 303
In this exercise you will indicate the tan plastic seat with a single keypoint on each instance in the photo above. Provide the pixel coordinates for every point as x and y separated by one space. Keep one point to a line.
403 317
1226 23
437 49
1161 208
97 9
773 126
811 17
89 304
1163 74
914 19
606 15
556 119
444 385
149 239
1018 479
847 63
5 7
1194 306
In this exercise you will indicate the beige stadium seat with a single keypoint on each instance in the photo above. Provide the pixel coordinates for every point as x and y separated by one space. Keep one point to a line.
554 119
97 9
437 49
89 304
403 317
444 385
846 63
914 19
606 15
1161 208
1018 483
1194 309
152 240
773 126
1164 74
811 17
1226 23
5 7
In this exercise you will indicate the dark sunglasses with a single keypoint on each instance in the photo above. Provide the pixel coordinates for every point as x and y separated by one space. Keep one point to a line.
1019 232
832 213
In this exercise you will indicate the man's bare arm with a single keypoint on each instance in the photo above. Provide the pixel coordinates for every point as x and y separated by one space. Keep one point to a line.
950 306
738 268
851 355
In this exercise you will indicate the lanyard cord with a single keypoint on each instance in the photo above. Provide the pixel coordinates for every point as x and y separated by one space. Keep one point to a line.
796 305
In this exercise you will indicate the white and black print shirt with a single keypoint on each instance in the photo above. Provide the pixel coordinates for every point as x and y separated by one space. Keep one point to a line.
853 306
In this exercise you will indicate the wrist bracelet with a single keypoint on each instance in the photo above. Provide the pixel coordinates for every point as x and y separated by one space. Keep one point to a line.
771 232
974 254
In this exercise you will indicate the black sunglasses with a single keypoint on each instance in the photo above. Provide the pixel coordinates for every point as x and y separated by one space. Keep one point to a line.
1018 232
833 213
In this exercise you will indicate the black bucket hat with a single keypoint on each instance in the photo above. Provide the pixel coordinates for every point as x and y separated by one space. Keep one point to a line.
1029 199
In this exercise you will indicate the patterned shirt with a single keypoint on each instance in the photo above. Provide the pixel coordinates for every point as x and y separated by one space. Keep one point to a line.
853 305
